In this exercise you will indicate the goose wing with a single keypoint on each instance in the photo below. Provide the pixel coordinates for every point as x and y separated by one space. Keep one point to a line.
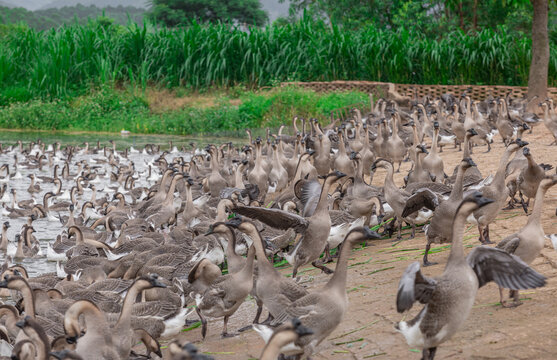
298 309
421 198
507 270
276 218
309 196
509 244
414 286
292 290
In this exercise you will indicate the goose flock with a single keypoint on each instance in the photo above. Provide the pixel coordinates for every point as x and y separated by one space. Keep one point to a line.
142 243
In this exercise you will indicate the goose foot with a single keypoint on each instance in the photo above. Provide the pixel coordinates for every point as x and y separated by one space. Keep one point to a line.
428 354
322 267
429 263
245 328
510 305
228 335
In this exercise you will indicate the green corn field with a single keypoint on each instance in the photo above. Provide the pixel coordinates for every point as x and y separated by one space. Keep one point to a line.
71 59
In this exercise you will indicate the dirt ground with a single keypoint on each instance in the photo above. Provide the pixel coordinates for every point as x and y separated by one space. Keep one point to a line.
491 332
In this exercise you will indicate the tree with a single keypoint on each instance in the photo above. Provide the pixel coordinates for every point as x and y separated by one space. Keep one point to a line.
179 12
537 78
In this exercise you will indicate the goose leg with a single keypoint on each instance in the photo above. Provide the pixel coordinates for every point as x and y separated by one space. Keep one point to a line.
486 235
426 261
318 264
428 354
399 163
203 323
523 203
399 236
259 310
327 258
225 333
413 231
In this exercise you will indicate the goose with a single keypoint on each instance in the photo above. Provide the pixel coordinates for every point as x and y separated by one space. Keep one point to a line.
315 229
272 289
433 162
342 161
187 351
530 177
395 149
16 282
397 198
281 339
33 188
37 335
322 310
528 243
225 295
550 121
439 230
449 298
97 342
419 174
4 237
506 131
496 190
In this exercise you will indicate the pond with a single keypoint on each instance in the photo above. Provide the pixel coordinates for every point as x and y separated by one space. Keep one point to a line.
47 229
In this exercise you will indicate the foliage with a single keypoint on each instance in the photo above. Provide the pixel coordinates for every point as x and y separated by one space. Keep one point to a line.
112 110
54 17
181 12
73 59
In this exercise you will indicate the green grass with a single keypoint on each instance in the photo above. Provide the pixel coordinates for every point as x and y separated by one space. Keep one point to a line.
112 110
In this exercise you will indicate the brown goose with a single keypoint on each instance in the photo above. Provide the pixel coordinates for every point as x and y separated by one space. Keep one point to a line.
278 339
225 295
439 230
530 240
496 191
322 310
315 229
272 289
449 298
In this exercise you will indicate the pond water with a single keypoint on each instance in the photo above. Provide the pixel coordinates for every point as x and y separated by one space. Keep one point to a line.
47 229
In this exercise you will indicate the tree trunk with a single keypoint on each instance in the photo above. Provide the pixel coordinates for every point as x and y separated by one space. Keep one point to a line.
475 15
461 15
537 79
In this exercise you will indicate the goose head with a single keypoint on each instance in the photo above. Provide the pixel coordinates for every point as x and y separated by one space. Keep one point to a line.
360 234
148 282
467 163
473 202
380 163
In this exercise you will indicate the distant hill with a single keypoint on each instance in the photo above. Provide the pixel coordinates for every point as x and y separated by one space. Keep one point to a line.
275 9
6 4
97 3
28 4
54 17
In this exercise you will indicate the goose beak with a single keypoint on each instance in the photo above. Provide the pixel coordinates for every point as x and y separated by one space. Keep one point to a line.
526 151
303 331
234 222
470 162
71 339
159 353
4 284
154 278
58 354
371 235
210 231
20 324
